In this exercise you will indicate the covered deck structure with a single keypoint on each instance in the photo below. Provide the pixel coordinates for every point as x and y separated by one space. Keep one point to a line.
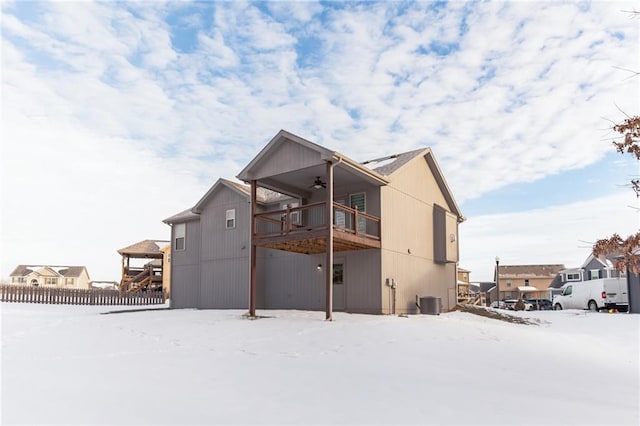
147 272
321 221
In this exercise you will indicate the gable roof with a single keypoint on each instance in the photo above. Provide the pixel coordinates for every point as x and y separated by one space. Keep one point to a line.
263 194
184 216
240 189
72 271
65 271
398 161
392 163
529 271
145 248
325 154
607 261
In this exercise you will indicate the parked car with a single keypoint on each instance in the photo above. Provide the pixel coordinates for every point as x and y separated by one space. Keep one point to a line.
498 305
511 304
541 304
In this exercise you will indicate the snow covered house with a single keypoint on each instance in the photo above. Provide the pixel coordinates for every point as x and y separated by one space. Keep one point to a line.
393 234
50 276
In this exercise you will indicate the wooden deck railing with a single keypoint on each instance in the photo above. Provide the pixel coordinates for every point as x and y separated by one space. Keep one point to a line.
312 217
74 296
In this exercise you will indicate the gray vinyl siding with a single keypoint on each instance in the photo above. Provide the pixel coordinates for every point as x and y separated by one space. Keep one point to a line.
289 156
362 280
224 284
224 273
185 268
292 281
595 264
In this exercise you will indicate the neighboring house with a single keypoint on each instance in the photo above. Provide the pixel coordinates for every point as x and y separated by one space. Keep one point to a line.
463 275
467 292
394 234
50 276
593 268
526 281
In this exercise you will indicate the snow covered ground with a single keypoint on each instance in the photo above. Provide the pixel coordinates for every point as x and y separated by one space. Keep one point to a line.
72 365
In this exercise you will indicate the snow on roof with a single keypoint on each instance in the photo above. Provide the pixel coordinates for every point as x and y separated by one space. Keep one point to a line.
527 288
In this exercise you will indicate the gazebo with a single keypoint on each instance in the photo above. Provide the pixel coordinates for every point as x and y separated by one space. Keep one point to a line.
142 275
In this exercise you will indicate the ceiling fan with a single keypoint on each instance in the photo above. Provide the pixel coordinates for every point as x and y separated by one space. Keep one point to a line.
318 183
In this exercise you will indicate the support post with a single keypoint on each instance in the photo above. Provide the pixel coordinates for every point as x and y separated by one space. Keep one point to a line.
329 253
252 286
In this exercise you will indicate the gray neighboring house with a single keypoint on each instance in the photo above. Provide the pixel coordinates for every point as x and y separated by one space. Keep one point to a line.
266 245
593 268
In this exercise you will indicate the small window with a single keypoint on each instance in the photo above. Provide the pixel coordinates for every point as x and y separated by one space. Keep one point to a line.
338 274
50 281
573 276
594 274
180 231
508 283
526 283
68 281
231 219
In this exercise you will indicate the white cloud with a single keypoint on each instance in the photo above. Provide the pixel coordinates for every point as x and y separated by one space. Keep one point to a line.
104 84
558 234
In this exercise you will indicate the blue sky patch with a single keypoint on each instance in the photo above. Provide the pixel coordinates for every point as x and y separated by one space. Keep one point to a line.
596 180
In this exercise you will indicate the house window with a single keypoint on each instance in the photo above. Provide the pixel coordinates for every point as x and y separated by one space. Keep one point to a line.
51 281
19 280
594 274
526 283
338 273
68 281
574 276
180 231
231 219
508 283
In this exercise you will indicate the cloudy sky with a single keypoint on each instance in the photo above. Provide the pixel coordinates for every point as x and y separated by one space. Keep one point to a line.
116 115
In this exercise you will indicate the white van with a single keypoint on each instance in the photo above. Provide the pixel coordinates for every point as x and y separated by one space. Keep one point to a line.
594 295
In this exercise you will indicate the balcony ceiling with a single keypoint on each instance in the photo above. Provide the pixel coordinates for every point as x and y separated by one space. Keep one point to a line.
300 182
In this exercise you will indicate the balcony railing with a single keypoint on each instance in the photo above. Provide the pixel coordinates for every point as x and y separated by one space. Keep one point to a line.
312 217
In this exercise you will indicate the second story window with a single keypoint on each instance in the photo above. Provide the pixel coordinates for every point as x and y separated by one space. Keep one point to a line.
574 276
231 219
51 281
526 283
179 236
594 274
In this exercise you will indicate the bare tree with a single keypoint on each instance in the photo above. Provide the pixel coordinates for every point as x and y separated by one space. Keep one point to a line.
626 248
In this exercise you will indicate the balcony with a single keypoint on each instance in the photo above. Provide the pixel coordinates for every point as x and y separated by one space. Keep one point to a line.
304 229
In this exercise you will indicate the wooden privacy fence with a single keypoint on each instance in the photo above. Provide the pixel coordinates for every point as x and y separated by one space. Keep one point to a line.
73 296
